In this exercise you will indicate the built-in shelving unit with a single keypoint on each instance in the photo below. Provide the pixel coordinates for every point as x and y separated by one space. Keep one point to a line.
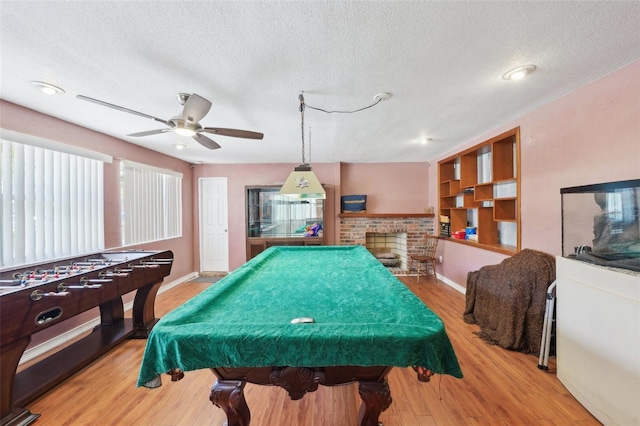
480 188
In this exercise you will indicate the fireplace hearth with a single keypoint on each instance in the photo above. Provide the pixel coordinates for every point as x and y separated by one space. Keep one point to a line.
399 234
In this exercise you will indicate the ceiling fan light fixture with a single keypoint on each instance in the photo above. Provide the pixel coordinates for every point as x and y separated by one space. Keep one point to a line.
302 183
46 88
519 72
195 108
184 131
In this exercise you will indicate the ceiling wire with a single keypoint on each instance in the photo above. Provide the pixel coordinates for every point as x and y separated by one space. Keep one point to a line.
344 112
304 105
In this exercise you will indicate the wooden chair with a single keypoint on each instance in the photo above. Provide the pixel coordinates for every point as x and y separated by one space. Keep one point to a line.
427 256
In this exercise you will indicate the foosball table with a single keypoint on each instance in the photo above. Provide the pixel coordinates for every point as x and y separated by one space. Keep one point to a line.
37 297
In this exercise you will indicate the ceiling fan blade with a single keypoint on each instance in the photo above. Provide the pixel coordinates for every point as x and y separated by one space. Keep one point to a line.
195 109
149 132
206 142
234 133
123 109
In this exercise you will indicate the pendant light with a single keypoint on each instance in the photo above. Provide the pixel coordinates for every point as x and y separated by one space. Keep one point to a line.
302 183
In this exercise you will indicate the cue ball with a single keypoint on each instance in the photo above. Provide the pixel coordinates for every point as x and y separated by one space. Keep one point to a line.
303 320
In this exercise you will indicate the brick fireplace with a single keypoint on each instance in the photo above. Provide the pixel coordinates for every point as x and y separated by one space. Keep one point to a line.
357 228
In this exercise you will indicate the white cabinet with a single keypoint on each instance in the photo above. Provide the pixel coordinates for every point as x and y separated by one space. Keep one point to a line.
598 339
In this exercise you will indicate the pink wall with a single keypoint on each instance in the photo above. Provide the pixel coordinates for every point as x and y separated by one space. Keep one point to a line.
23 120
589 136
390 187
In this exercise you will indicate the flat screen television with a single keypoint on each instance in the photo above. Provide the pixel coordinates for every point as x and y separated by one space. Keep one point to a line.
601 223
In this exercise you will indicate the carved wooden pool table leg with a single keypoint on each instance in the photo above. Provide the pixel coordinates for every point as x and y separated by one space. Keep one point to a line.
229 395
376 397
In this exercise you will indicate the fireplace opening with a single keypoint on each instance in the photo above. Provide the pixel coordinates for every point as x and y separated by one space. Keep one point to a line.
359 230
390 248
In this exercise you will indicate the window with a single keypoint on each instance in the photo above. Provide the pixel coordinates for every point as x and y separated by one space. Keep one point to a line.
151 203
52 200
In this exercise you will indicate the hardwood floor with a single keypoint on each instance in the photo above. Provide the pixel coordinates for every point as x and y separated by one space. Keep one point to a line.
500 387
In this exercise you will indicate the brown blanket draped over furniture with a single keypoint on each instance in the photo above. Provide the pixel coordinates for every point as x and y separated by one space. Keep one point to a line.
508 300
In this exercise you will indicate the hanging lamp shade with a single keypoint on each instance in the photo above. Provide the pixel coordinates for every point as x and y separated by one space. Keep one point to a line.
302 183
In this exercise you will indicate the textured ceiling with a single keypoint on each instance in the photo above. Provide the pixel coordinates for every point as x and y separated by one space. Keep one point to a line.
441 61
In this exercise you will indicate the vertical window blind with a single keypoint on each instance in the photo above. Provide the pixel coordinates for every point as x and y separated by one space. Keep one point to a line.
151 203
52 204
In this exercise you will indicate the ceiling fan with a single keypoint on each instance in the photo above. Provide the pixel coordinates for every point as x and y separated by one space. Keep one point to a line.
186 123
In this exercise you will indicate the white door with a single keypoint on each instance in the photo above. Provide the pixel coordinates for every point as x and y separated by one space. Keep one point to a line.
214 237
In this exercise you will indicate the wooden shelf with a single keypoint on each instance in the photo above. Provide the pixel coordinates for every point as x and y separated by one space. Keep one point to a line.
487 227
469 200
447 171
500 248
483 192
449 187
448 202
458 219
469 170
500 157
503 166
504 210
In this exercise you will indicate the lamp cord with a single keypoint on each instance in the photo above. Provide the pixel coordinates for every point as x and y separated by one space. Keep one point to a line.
302 106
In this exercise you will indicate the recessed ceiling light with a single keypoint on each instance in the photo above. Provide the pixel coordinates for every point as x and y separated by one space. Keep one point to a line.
181 146
519 73
46 88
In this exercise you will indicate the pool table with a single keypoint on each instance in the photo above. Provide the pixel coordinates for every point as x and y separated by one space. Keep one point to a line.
299 317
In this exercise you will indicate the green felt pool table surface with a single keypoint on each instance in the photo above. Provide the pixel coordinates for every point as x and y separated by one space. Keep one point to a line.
363 317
